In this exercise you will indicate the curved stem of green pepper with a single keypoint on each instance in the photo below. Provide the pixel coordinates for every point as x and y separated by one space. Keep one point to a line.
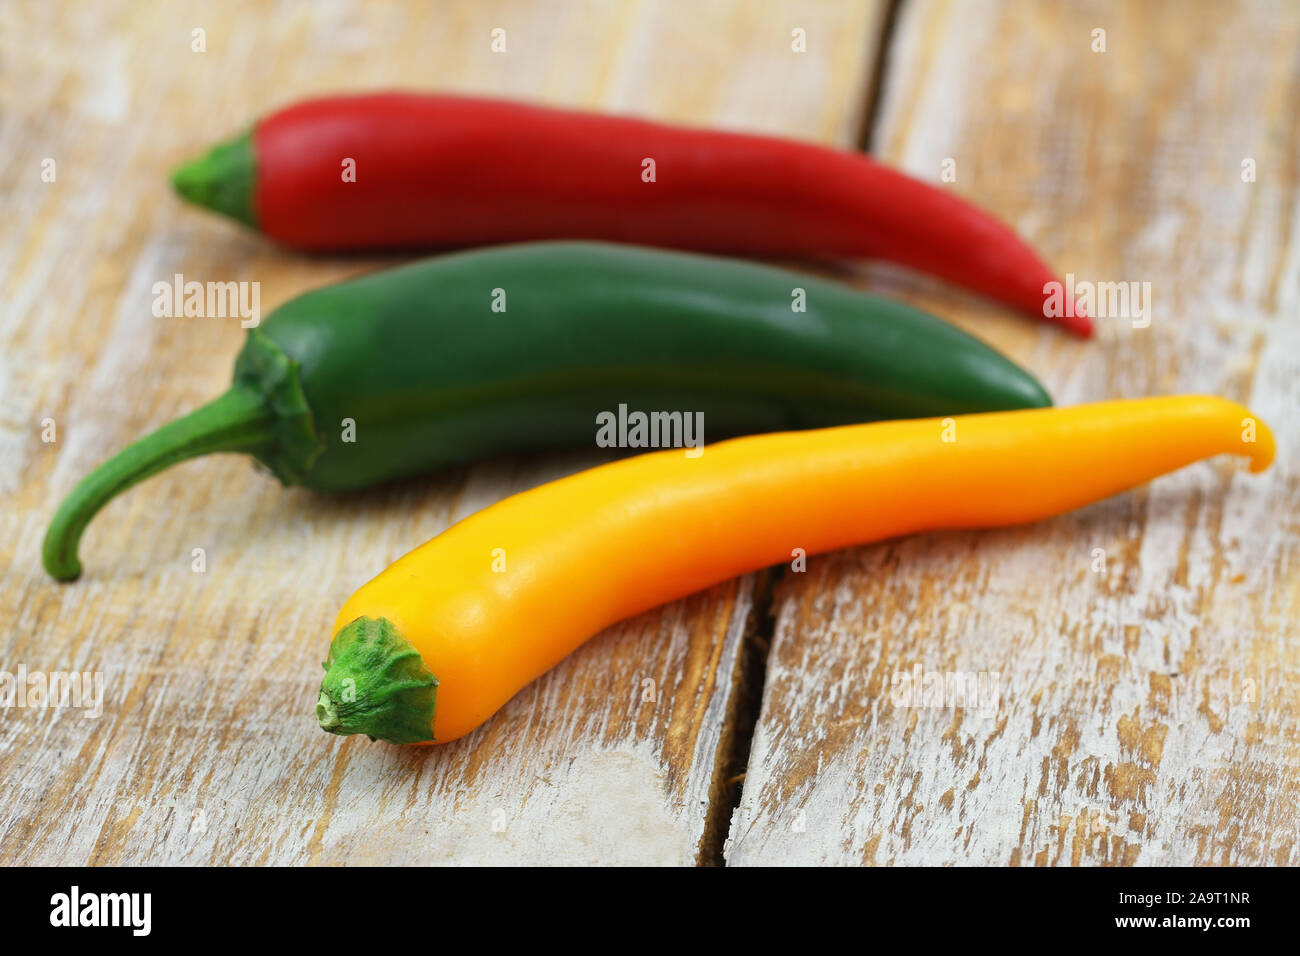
239 420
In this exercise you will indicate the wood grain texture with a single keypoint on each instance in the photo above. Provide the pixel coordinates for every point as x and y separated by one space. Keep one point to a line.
207 751
1147 704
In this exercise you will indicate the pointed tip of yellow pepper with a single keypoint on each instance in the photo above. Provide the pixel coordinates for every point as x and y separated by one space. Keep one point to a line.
1254 438
1265 448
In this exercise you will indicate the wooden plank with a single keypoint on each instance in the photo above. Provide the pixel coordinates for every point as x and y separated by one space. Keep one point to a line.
206 750
1148 708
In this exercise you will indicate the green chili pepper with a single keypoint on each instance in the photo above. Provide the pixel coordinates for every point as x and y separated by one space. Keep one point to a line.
522 347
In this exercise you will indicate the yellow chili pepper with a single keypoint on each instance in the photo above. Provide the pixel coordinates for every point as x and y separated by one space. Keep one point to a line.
501 597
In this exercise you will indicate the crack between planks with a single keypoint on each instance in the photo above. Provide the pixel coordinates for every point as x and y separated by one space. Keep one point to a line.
884 38
741 721
732 758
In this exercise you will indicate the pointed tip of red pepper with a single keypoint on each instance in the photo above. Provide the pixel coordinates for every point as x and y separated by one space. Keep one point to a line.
1017 276
1076 318
1057 305
1076 321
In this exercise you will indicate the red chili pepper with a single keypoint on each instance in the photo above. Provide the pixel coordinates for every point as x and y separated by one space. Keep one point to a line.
451 171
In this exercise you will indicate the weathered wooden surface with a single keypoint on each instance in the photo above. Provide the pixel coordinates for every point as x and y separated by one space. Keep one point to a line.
207 751
1148 708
